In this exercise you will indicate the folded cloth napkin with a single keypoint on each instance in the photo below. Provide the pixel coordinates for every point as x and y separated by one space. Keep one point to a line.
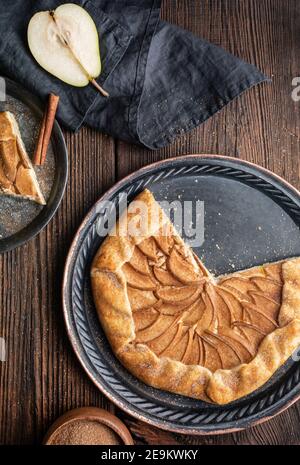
162 80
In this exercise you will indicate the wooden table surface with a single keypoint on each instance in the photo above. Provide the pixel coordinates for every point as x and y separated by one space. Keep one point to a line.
42 378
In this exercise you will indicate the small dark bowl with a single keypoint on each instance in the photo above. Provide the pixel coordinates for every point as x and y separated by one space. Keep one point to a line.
60 176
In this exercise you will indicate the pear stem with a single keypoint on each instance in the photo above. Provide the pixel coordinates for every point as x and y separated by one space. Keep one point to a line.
67 44
98 87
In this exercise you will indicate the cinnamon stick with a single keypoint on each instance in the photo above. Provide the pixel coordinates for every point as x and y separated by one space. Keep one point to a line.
40 153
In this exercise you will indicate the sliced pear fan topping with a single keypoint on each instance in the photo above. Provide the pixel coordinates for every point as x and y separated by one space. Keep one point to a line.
138 280
140 299
165 277
165 239
139 262
180 312
182 267
149 248
177 295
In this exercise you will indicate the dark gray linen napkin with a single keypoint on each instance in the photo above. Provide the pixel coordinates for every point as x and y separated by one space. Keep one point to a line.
162 80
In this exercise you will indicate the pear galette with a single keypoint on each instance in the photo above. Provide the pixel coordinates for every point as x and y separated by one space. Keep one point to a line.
178 328
17 176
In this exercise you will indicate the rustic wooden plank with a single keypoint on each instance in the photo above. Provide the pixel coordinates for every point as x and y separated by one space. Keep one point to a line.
42 378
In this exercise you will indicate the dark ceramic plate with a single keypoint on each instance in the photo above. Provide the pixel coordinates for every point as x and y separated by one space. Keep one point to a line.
21 219
251 217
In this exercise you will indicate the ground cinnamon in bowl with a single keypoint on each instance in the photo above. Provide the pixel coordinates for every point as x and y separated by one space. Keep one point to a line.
84 432
88 426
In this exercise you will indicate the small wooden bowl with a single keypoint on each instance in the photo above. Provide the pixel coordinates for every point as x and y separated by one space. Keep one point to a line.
90 414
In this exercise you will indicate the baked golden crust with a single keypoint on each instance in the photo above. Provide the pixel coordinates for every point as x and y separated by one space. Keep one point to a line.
228 385
17 176
177 328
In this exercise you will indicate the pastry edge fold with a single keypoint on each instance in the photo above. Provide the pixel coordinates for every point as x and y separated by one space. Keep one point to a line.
222 386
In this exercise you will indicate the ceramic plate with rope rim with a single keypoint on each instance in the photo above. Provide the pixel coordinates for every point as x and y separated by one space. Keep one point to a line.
251 217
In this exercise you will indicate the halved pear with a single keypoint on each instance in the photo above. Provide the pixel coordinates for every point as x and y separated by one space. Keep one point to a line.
65 43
